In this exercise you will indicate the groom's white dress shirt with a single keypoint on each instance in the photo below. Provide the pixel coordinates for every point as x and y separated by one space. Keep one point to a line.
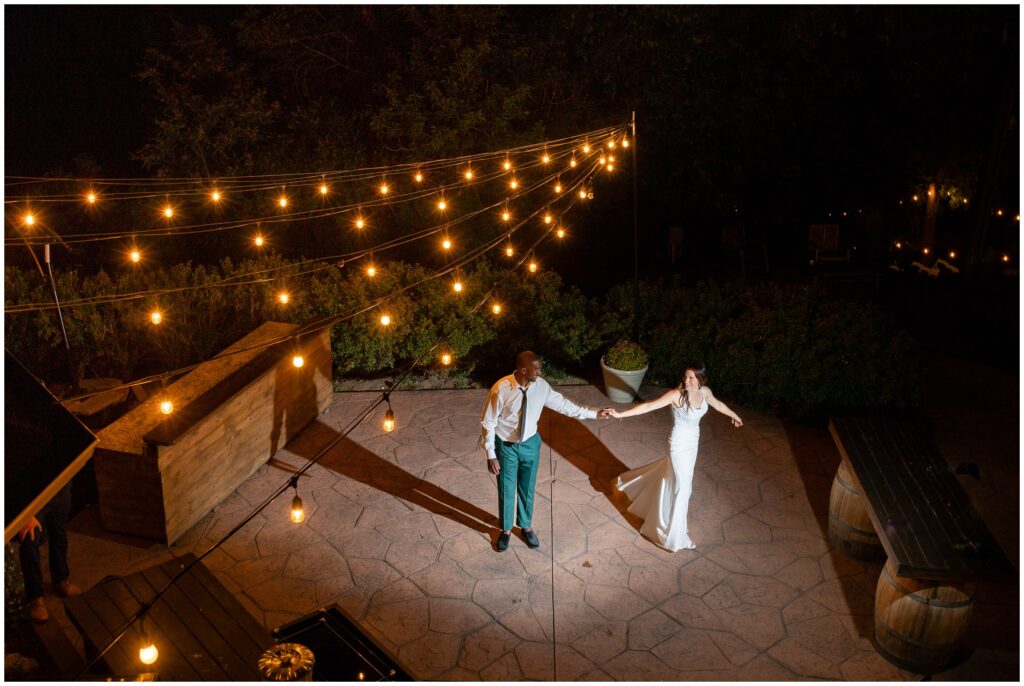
501 414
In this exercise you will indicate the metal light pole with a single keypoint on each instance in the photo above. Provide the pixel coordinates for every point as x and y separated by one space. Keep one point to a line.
636 243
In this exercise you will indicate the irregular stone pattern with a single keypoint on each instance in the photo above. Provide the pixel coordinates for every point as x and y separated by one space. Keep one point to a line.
401 530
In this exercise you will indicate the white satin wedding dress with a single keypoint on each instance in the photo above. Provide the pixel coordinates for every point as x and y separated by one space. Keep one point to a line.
660 491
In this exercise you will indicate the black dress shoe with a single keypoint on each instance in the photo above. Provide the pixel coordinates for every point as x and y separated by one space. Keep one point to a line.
531 539
503 542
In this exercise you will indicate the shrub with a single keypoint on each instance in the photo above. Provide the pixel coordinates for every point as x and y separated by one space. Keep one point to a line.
626 356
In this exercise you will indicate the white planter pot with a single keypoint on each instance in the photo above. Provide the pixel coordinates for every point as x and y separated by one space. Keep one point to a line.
620 386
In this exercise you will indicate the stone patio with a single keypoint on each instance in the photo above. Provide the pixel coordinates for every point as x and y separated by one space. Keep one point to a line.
400 529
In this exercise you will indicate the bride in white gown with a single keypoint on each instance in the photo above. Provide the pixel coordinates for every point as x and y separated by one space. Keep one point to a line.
660 491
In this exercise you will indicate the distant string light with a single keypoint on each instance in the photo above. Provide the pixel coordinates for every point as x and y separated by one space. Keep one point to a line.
135 256
385 320
258 240
156 317
166 407
215 196
283 297
297 361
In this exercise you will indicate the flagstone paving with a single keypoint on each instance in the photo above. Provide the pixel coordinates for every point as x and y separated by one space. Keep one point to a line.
400 529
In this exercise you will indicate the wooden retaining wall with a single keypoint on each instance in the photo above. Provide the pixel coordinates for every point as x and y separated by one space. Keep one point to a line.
157 475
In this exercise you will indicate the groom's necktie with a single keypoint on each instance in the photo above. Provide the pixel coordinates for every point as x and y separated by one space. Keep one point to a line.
522 416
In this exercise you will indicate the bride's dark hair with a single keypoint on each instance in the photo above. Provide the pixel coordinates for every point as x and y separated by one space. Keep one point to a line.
700 372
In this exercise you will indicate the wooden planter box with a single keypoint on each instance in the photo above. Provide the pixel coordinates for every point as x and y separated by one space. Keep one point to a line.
157 475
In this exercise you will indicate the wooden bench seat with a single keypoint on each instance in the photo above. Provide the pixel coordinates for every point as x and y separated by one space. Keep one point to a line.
201 631
895 494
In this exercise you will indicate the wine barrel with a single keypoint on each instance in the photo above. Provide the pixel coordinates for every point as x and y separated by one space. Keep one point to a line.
919 623
849 528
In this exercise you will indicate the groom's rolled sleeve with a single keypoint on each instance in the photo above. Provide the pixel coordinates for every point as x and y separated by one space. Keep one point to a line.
488 424
562 405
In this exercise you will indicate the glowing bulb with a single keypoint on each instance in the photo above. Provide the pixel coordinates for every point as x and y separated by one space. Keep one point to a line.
418 177
298 361
282 298
360 222
547 218
362 676
952 254
148 653
507 165
611 167
898 245
583 194
323 189
166 407
601 161
625 142
215 196
446 359
611 158
1006 258
496 308
509 251
457 286
258 240
561 233
156 317
468 174
442 205
915 198
371 271
91 198
1017 217
384 189
586 149
533 266
389 420
446 244
168 211
282 201
385 320
611 144
545 159
135 256
999 213
298 514
30 219
558 188
514 184
926 251
506 216
572 162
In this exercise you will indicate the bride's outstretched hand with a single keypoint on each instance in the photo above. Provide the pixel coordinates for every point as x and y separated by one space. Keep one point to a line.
737 422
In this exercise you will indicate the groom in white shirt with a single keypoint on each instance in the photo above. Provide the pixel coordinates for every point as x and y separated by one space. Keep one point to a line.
510 438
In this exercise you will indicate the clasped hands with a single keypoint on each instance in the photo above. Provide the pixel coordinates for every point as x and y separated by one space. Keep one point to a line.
606 412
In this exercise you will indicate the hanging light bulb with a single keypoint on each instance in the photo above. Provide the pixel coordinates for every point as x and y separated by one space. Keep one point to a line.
418 177
298 513
166 407
610 167
611 144
586 148
583 194
148 653
360 222
385 320
215 196
601 160
468 174
258 240
282 201
442 205
899 245
168 211
558 188
135 256
297 361
496 308
446 244
572 162
446 359
384 189
999 213
625 142
324 189
509 251
560 233
507 165
926 251
156 317
389 420
545 159
282 297
915 198
90 198
533 266
513 184
29 219
547 218
371 271
611 158
457 286
506 215
1006 258
952 254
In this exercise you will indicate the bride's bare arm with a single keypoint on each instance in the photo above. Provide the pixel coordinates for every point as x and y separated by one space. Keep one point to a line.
642 408
721 407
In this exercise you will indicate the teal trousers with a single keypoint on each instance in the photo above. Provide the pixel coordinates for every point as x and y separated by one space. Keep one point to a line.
517 479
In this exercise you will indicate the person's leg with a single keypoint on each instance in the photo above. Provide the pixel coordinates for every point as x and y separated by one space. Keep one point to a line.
28 552
56 521
526 482
508 459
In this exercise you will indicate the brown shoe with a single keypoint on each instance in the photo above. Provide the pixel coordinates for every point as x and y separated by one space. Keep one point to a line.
66 589
37 611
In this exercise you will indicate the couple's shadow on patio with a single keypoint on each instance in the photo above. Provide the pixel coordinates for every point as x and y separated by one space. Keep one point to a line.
564 435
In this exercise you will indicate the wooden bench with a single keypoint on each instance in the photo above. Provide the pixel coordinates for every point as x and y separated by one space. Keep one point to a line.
894 494
201 631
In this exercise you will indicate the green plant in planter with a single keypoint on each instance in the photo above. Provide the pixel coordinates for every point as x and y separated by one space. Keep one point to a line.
626 356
